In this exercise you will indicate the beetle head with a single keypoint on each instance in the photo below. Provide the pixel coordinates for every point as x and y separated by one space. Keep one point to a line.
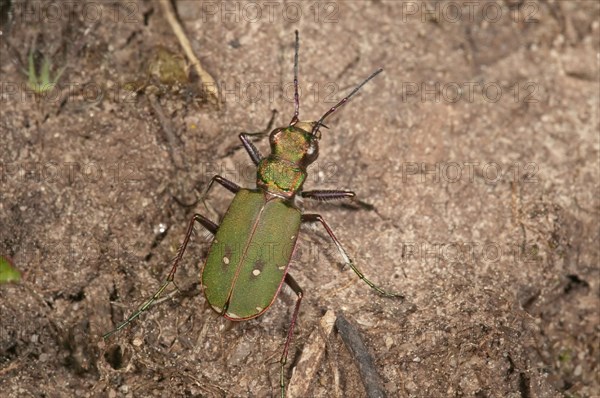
295 144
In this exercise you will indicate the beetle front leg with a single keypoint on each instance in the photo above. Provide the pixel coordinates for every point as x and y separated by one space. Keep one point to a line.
206 223
249 146
298 290
347 259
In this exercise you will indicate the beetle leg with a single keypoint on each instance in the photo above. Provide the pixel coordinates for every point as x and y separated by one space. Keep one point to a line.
298 290
206 223
249 146
347 259
327 194
229 185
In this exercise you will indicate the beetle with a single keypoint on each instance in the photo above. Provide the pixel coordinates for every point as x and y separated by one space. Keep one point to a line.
249 258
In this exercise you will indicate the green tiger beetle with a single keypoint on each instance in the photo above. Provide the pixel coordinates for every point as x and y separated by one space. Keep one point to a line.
240 278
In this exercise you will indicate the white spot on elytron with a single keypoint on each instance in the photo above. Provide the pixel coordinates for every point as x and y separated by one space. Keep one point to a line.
259 309
226 260
256 272
293 236
232 315
281 268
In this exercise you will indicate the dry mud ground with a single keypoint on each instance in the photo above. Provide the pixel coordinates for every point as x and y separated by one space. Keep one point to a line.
478 148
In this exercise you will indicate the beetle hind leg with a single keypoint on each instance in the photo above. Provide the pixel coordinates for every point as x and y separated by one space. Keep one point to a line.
198 218
298 290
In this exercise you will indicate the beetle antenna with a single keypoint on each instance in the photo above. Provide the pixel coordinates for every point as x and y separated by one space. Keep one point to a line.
315 128
296 96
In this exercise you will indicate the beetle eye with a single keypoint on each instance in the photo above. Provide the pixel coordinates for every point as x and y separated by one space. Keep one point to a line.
312 152
275 135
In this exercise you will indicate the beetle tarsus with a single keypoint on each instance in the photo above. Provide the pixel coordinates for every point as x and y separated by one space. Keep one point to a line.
347 260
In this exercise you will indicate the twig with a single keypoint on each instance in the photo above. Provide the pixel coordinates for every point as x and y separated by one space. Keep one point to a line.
208 83
173 141
366 367
310 360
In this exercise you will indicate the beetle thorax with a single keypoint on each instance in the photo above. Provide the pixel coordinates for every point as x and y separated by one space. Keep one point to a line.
293 148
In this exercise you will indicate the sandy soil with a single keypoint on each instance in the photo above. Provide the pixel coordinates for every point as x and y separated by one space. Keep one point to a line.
478 148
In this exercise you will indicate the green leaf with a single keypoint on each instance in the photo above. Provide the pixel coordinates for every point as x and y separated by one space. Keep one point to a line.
8 273
42 82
